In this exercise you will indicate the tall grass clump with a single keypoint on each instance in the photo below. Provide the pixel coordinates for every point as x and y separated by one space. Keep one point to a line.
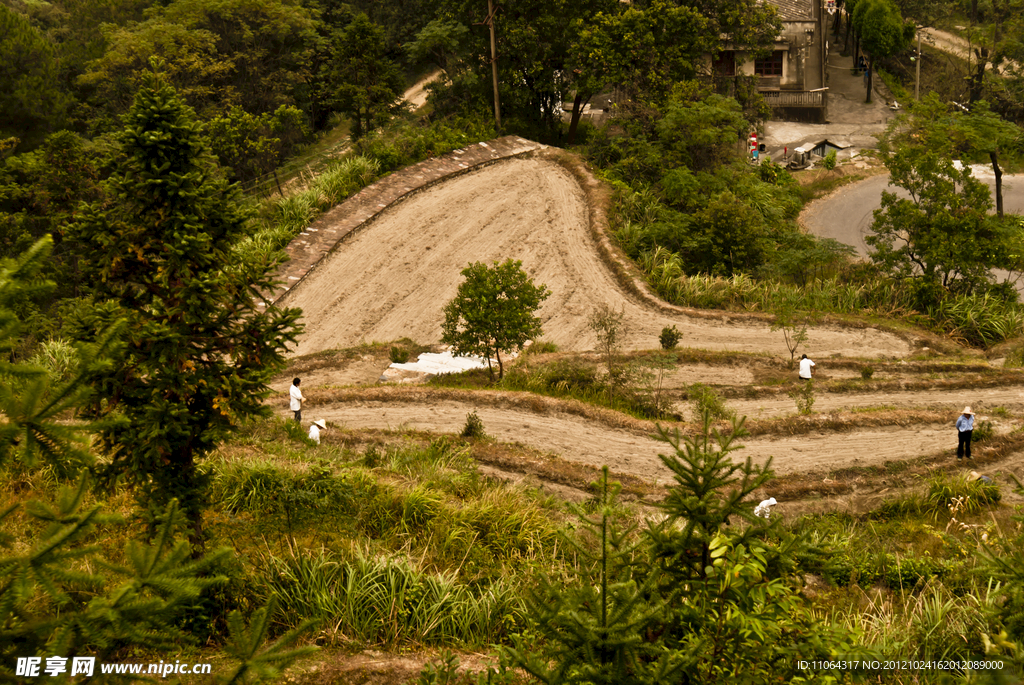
58 357
931 624
388 601
962 491
979 319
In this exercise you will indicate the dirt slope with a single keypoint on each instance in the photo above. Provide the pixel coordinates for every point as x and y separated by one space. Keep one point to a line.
392 278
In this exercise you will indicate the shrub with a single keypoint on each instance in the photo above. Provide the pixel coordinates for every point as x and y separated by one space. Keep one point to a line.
541 347
830 161
59 359
474 427
983 430
669 337
567 375
706 399
804 396
398 355
867 372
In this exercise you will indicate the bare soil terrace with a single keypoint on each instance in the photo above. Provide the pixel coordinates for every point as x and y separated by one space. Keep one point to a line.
391 278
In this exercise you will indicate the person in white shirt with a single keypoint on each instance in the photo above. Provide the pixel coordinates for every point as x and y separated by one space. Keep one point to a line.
805 368
314 430
297 399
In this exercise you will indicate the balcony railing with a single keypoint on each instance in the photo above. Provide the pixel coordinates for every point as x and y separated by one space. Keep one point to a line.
793 98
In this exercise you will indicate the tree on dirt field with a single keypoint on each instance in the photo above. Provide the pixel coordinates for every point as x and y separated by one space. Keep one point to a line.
607 325
369 82
493 312
790 321
882 32
160 252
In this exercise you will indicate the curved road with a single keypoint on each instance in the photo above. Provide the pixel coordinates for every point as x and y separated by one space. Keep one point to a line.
847 214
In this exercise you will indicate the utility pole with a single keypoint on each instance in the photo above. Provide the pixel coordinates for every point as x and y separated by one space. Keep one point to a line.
494 64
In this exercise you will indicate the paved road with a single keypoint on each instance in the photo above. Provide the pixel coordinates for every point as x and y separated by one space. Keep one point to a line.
846 215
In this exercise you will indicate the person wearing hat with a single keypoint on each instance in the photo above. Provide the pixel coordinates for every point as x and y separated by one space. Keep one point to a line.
314 430
964 427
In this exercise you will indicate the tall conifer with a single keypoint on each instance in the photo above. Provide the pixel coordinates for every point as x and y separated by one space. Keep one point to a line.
160 251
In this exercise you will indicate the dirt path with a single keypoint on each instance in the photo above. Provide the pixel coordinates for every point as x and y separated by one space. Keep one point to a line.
393 277
983 400
955 45
585 441
416 94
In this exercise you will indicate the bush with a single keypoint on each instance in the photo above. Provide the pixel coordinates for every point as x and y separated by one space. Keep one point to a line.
569 375
474 427
541 347
983 430
804 396
398 355
669 337
867 372
706 399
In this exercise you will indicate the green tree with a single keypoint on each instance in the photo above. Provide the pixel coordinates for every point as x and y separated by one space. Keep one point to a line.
882 31
934 126
160 253
34 421
493 311
219 54
369 83
253 146
942 236
31 100
596 630
707 595
741 618
40 194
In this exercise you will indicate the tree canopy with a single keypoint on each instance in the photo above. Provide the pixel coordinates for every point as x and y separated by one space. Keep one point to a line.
159 250
493 311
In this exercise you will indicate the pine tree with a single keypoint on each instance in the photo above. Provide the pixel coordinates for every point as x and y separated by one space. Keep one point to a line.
160 252
739 613
599 630
34 413
50 604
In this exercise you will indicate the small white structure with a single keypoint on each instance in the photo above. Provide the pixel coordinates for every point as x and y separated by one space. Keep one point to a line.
433 364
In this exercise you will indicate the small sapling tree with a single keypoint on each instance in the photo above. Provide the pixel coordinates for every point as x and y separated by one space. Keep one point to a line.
607 325
790 321
493 312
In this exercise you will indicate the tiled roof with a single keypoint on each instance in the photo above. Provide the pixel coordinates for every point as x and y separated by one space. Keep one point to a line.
794 10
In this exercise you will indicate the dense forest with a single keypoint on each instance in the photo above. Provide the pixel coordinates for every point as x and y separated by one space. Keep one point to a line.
145 151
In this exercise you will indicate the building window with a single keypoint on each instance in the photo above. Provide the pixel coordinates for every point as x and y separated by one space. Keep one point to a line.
725 63
769 66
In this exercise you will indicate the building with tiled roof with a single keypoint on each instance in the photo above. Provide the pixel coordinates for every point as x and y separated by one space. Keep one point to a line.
792 77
